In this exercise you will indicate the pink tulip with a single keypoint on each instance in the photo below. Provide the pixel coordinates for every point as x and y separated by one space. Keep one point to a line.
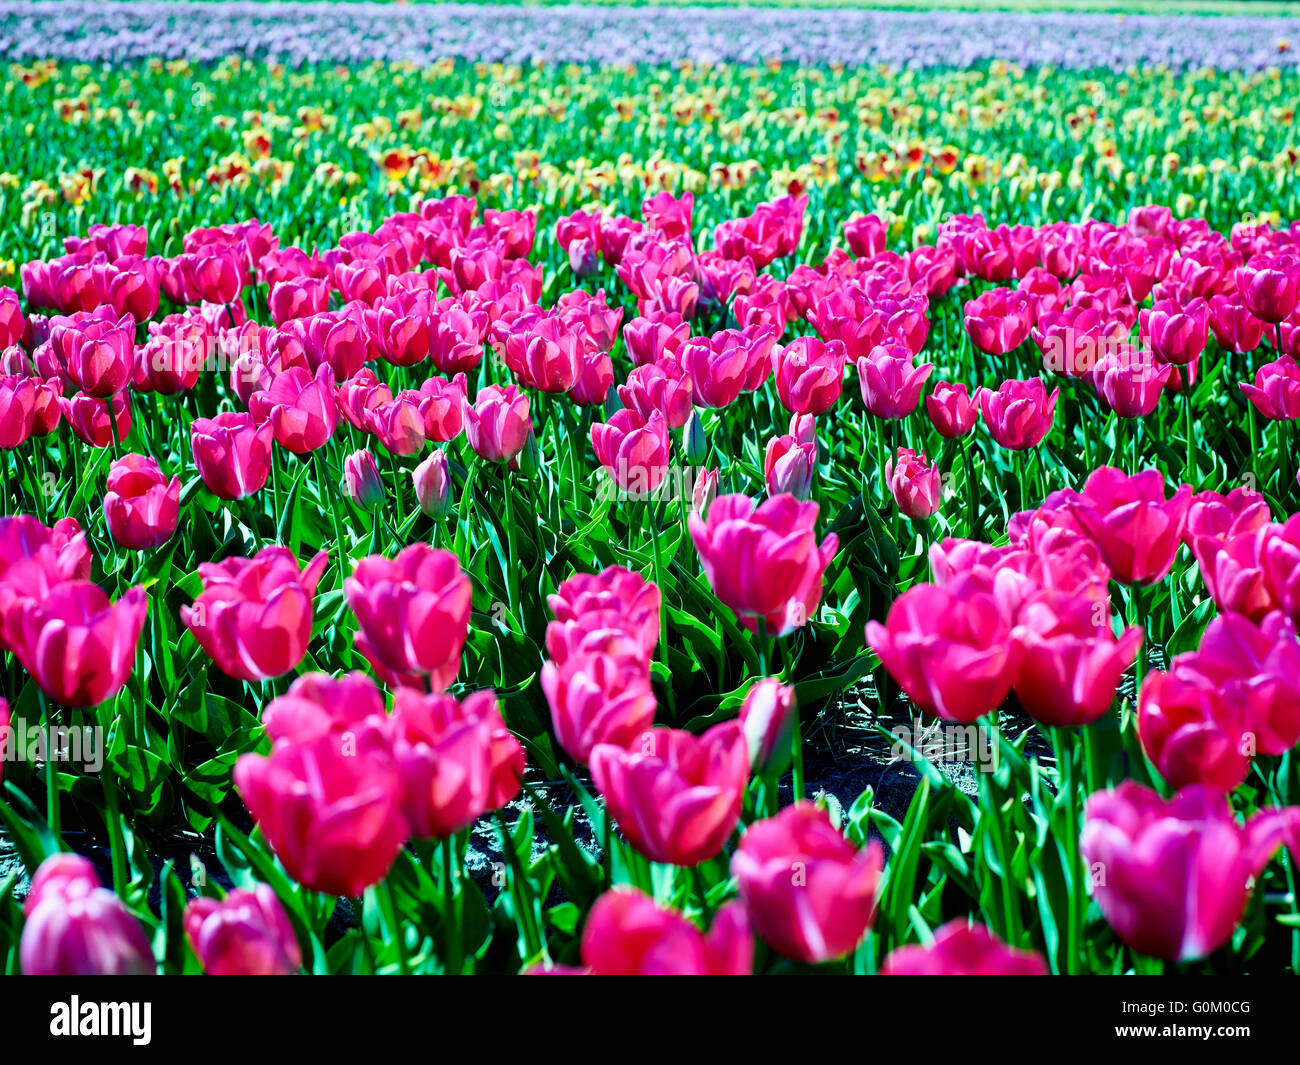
1068 661
809 374
317 704
962 949
808 891
917 486
1137 529
1270 286
441 403
865 235
1234 327
650 339
247 933
595 382
78 646
176 353
633 450
1177 333
141 506
951 409
704 491
668 214
336 339
254 615
998 321
788 467
457 760
675 796
948 647
98 349
628 934
717 367
47 412
76 927
12 323
1256 664
770 233
1173 876
545 354
298 297
17 410
399 327
600 693
1276 391
87 417
498 423
584 258
1192 733
1233 571
399 423
232 453
49 556
616 594
891 385
1241 511
330 807
300 407
413 611
1019 414
1131 380
763 561
659 388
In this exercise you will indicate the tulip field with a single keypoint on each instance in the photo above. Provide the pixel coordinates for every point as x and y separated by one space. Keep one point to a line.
617 490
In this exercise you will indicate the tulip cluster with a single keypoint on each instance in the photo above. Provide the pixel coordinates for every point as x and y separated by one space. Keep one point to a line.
1034 616
77 644
347 783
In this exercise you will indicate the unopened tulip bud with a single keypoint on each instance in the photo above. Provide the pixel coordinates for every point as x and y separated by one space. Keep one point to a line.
582 258
767 716
694 442
530 459
704 492
361 480
433 485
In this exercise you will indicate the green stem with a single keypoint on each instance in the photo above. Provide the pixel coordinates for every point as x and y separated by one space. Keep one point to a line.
1066 781
972 512
1139 619
512 561
112 424
51 772
388 906
662 653
451 909
400 506
345 557
796 759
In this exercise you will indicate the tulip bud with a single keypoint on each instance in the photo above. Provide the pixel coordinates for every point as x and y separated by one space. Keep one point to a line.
582 258
433 485
767 716
694 442
361 480
530 459
704 492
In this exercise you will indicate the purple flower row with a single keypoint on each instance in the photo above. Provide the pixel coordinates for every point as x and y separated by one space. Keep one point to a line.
330 32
